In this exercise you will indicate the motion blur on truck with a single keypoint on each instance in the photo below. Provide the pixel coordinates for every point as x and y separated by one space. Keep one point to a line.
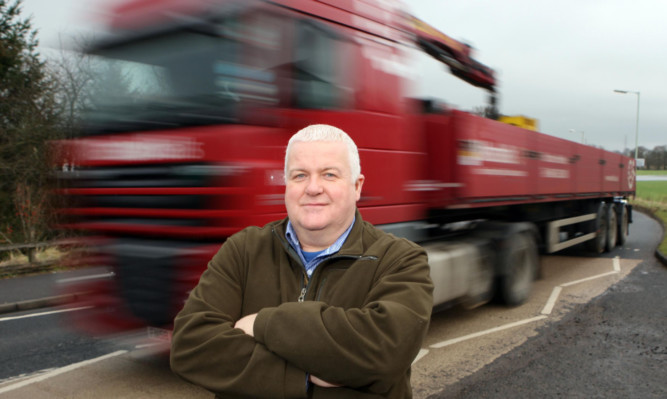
185 146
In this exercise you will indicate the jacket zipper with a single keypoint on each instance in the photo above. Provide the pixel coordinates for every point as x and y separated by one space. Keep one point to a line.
303 294
290 251
305 284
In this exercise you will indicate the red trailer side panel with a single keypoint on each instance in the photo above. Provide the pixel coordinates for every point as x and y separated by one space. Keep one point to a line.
503 164
588 171
491 161
553 170
611 176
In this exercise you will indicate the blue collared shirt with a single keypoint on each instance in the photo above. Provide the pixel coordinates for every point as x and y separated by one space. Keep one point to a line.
310 265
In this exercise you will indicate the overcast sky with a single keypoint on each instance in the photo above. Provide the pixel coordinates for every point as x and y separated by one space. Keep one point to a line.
558 61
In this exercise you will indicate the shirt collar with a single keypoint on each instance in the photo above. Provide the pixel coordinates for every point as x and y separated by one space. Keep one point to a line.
293 240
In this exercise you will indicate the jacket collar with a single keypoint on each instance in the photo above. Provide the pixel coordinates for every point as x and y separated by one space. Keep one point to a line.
353 244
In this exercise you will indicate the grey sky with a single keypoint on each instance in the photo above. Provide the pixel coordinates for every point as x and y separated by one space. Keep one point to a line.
557 61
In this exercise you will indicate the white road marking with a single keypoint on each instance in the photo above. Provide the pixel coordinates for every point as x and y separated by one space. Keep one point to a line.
485 332
142 346
552 300
82 278
59 371
554 294
42 313
617 264
422 353
548 308
23 376
587 279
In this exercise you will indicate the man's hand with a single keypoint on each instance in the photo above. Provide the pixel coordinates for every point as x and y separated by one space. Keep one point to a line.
246 324
321 383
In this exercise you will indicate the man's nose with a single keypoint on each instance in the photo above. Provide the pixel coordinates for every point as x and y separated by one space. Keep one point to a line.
314 186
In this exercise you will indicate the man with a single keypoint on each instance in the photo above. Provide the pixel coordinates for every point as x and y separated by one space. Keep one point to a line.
321 304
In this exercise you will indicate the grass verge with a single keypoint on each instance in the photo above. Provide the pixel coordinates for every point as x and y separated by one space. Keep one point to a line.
652 197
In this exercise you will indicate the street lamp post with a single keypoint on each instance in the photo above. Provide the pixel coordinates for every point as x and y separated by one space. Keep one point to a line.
637 121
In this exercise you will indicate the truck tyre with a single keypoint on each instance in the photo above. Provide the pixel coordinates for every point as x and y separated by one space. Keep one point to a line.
612 228
599 226
622 224
519 260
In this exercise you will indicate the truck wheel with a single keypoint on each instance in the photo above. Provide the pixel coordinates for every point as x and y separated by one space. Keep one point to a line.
622 224
518 262
612 228
599 226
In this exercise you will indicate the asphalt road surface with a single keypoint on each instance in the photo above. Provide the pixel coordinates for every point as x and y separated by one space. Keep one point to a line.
614 346
38 340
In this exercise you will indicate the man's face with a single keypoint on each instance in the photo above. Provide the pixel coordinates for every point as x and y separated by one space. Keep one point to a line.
320 195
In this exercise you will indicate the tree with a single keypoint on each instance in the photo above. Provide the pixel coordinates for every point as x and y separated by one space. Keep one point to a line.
82 80
72 72
28 119
655 159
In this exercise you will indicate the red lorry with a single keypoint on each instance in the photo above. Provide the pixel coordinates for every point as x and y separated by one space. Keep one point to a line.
184 146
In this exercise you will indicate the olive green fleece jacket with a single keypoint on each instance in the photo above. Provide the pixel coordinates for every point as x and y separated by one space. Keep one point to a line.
365 313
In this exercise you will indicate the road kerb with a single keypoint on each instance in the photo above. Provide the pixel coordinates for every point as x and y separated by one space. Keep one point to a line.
38 303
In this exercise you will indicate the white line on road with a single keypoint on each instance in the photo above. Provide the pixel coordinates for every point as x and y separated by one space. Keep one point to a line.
489 331
556 292
82 278
422 353
552 300
587 279
548 308
59 371
42 313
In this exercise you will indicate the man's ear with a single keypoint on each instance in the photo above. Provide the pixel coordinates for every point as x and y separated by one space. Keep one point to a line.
357 185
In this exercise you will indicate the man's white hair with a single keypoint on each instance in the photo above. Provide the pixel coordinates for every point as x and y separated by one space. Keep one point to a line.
327 133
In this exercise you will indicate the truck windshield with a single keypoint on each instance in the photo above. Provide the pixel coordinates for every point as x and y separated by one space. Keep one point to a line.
184 77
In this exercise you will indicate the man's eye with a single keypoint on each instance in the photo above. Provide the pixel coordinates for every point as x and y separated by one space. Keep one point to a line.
299 176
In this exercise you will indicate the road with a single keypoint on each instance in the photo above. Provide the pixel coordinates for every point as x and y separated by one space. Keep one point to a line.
38 340
611 347
462 350
652 178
